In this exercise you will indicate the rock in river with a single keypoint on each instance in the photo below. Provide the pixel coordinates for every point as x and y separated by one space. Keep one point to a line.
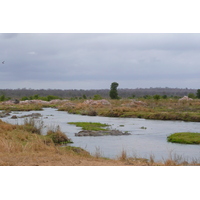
4 114
101 133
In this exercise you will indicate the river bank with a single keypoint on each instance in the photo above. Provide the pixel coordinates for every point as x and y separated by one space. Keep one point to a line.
184 109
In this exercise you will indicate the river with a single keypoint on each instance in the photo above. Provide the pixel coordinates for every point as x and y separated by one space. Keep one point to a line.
148 137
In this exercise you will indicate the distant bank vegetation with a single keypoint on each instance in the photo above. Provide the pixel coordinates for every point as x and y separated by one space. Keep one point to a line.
49 94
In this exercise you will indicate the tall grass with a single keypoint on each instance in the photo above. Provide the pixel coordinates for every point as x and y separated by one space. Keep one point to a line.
34 126
172 160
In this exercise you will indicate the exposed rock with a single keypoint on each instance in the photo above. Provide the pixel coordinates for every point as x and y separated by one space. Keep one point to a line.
9 102
14 117
57 101
101 133
35 101
15 101
185 98
4 114
33 115
97 102
69 104
136 103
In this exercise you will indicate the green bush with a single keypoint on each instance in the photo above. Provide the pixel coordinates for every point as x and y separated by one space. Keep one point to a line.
156 97
97 97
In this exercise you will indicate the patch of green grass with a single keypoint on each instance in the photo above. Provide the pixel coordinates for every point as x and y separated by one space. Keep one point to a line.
184 138
90 126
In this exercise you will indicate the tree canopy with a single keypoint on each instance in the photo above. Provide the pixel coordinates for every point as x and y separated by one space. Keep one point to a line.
198 93
113 91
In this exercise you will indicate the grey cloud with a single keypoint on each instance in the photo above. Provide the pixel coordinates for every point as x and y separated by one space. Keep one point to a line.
100 58
9 35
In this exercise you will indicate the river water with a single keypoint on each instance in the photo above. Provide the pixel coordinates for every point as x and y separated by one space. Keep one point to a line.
148 137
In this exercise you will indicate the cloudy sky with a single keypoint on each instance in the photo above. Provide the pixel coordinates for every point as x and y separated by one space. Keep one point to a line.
95 60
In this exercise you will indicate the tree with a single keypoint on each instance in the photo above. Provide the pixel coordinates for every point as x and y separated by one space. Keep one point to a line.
164 96
156 96
191 95
2 98
84 96
198 93
113 91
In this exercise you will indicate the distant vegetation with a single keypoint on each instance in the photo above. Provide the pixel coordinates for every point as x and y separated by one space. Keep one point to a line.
24 93
36 96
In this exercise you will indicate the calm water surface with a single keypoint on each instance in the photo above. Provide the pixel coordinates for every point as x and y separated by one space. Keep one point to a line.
151 141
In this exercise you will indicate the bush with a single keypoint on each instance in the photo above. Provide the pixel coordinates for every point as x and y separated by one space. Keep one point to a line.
2 98
58 136
156 96
191 95
97 97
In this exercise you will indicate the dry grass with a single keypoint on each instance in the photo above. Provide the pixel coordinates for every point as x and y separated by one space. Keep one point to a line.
20 147
19 107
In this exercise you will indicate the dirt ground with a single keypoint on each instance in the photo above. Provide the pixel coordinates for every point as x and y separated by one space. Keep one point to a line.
57 159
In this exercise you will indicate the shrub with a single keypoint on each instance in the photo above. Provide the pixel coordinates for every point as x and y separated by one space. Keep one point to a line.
156 96
97 97
191 95
2 98
58 136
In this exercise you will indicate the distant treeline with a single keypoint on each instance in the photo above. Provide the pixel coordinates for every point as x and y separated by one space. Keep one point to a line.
104 93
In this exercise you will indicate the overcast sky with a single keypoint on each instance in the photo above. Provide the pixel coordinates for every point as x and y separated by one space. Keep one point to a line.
95 60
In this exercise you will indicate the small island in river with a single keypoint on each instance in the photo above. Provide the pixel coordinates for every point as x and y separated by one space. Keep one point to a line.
96 129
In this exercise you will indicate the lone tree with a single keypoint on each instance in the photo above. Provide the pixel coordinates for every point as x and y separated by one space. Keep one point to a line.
198 94
113 91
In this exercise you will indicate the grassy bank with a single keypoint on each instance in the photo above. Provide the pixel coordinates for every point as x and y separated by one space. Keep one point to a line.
163 109
18 107
185 138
